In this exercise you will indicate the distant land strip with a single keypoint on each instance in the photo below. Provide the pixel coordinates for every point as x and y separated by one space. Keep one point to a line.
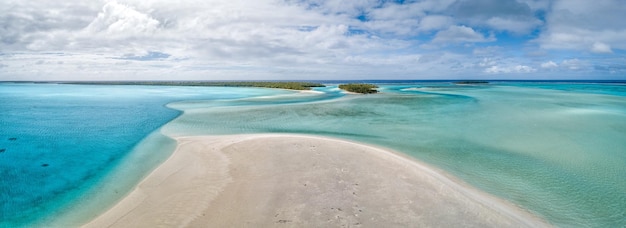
470 82
277 85
359 88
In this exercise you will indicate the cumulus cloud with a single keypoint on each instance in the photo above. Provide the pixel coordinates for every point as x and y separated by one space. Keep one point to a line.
596 26
121 20
435 22
151 56
518 26
575 64
510 69
406 19
460 34
25 22
488 52
317 39
549 65
599 47
504 15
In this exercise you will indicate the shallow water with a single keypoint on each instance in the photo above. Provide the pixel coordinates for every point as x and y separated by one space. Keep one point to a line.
61 145
556 149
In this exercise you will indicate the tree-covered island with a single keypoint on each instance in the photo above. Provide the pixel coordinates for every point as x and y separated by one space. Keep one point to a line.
264 84
471 82
359 88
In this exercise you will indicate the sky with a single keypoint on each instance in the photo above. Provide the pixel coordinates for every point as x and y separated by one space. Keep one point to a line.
312 39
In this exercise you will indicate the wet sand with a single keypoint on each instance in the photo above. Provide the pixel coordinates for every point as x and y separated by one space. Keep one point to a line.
278 180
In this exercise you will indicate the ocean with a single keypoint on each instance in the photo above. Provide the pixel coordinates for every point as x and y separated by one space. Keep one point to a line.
557 149
70 151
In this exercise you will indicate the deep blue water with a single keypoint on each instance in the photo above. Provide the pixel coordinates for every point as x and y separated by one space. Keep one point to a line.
58 141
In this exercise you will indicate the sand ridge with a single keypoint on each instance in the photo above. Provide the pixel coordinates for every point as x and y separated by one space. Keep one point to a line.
271 180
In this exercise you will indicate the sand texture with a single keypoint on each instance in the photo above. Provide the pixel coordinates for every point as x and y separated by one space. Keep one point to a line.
272 180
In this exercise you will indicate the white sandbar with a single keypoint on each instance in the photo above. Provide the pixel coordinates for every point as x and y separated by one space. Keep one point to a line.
269 180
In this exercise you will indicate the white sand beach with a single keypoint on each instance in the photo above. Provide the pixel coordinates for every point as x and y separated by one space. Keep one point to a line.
278 180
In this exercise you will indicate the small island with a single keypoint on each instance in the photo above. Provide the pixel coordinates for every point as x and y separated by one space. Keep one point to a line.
263 84
359 88
472 82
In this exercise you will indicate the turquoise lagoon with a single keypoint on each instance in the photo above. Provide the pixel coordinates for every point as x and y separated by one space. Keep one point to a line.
70 151
556 149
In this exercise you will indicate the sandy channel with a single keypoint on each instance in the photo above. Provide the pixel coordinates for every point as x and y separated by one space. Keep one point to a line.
269 180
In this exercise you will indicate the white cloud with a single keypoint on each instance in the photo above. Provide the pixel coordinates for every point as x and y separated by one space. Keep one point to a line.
460 34
270 39
435 22
353 8
599 47
503 15
537 4
510 69
197 36
575 64
24 22
595 26
567 65
409 18
549 65
404 27
487 62
514 25
489 51
121 20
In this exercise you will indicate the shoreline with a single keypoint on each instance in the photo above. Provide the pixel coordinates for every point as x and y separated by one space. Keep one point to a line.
302 180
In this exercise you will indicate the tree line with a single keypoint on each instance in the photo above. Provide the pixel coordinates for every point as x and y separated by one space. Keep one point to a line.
263 84
359 88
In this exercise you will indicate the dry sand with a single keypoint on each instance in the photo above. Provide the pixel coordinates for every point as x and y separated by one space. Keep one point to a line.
302 181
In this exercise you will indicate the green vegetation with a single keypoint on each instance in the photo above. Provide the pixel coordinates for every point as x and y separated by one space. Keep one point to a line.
470 82
359 88
266 84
